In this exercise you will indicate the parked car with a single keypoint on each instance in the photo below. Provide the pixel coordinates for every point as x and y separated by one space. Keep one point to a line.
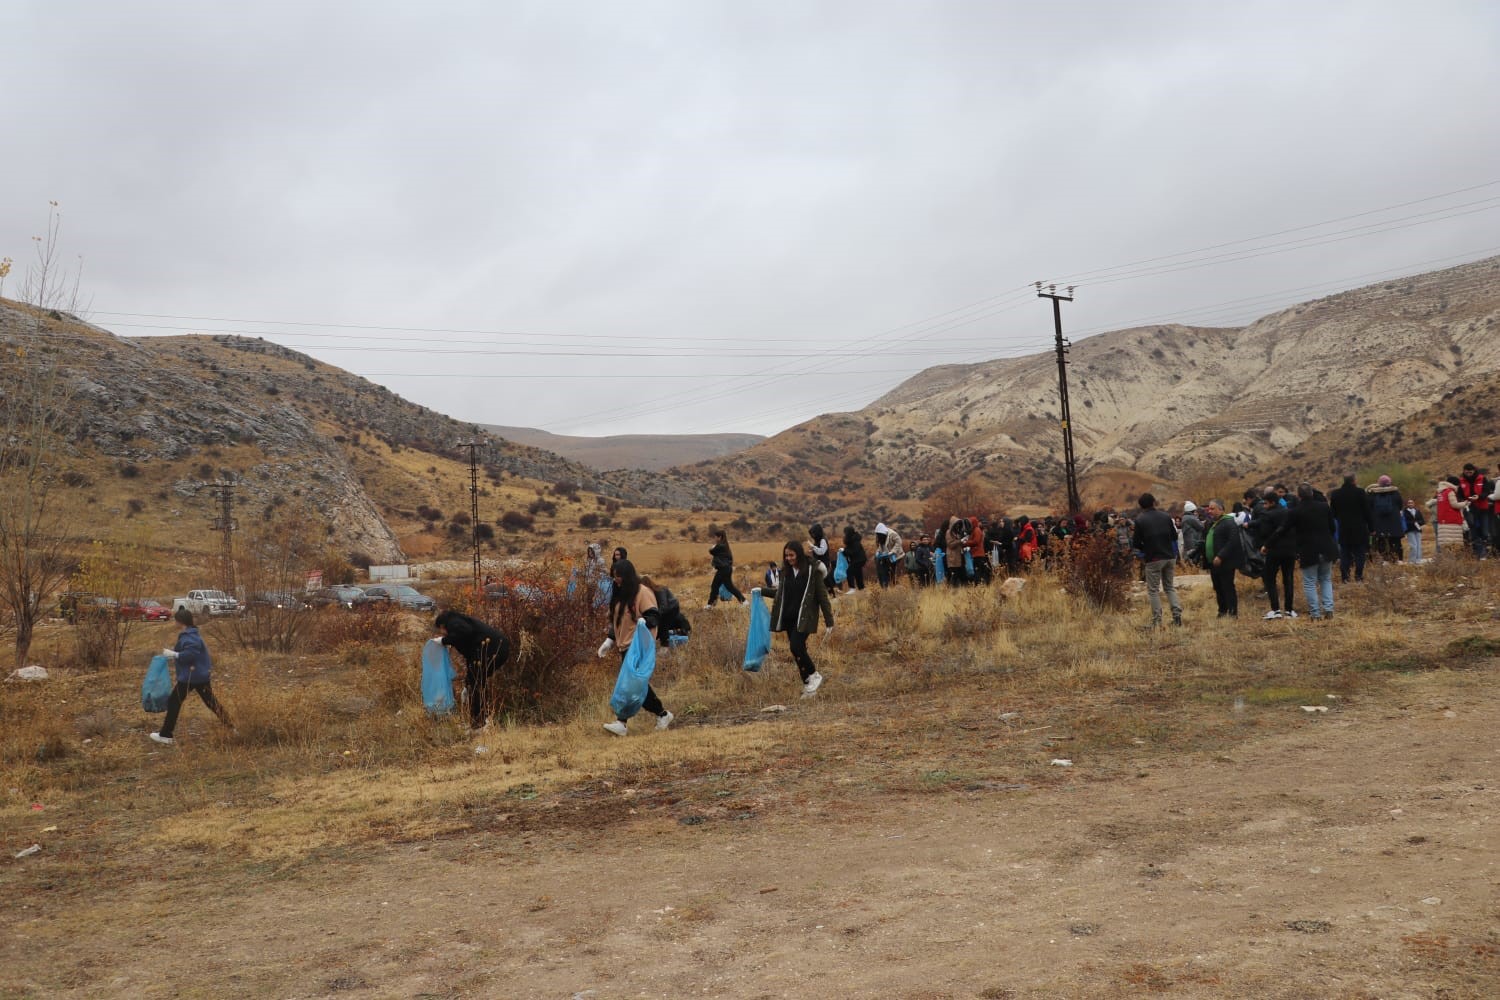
213 603
338 596
407 597
280 600
144 609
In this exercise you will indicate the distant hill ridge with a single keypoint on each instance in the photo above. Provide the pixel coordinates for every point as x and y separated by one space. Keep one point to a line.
1165 402
650 452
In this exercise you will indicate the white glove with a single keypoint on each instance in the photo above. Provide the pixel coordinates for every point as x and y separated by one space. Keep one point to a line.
827 632
170 654
606 647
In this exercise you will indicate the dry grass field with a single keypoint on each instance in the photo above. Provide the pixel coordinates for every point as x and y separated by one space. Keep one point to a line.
908 832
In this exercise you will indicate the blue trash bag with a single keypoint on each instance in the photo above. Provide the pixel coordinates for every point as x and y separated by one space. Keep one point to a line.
437 678
156 689
724 594
605 590
635 673
939 566
758 641
841 568
968 564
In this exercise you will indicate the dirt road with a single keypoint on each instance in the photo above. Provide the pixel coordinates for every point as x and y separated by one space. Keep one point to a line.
1355 855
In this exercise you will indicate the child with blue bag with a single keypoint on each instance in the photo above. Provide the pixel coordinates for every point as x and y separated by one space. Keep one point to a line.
194 669
630 602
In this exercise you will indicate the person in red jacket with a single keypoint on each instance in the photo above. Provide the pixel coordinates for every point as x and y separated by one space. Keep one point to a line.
1474 488
1448 513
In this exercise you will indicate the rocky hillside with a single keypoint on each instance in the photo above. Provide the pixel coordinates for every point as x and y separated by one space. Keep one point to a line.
1316 383
174 413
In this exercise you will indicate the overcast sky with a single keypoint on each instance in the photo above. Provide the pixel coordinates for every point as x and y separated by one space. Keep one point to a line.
720 215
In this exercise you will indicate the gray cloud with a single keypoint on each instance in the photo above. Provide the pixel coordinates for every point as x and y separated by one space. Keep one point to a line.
689 182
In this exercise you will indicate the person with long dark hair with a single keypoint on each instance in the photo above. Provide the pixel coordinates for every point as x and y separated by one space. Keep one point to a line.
723 560
801 597
855 557
629 602
820 550
484 650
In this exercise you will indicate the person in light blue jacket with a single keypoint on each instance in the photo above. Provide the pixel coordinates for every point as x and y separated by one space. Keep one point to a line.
194 668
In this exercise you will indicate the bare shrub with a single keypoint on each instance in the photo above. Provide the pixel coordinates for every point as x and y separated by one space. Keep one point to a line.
965 497
552 624
1095 569
333 628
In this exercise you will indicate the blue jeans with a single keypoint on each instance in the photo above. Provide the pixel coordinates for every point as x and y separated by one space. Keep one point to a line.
1317 587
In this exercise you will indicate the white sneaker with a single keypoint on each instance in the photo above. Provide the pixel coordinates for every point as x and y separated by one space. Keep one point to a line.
1291 614
708 607
1271 616
663 721
813 683
158 737
617 728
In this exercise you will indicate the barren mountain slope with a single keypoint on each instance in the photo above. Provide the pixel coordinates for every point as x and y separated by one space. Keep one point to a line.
1171 402
651 452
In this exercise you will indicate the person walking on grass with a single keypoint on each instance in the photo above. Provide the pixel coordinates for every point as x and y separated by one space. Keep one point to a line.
1223 554
723 560
194 670
1280 549
803 595
630 601
484 650
1156 537
1310 523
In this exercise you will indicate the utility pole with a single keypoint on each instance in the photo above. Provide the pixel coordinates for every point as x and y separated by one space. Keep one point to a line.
225 524
1070 464
473 447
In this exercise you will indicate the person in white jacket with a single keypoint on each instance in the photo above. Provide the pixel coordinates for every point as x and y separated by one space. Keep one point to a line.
889 553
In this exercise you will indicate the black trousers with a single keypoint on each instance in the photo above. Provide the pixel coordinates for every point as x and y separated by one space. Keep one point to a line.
856 576
724 578
798 642
1287 567
1353 552
480 682
1223 581
180 691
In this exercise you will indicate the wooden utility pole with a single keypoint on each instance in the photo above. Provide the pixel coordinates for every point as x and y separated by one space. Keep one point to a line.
1070 464
473 447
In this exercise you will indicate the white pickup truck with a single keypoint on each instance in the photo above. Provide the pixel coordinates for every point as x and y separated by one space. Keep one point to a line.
214 603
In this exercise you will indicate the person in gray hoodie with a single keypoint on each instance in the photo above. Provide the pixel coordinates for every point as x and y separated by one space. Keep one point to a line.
1192 534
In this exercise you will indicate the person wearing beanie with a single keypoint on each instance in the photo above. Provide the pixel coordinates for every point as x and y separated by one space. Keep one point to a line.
194 668
1386 524
1192 534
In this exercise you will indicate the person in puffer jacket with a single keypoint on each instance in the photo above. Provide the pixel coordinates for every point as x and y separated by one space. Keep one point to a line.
1386 526
888 554
194 671
800 599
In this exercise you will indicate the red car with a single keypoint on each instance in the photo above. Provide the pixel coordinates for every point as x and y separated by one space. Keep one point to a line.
145 610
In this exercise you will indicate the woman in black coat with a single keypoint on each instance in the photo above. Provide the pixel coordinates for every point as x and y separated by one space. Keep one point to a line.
484 649
723 571
1279 548
1311 526
855 557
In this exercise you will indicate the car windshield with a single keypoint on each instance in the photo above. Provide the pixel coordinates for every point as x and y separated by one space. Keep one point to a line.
405 592
215 595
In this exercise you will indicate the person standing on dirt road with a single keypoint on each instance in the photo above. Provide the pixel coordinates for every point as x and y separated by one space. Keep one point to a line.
194 670
802 596
484 650
723 560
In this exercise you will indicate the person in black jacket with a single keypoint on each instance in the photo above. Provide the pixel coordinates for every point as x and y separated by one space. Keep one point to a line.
1351 511
1155 536
1279 548
723 560
1223 554
484 649
1311 525
855 557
